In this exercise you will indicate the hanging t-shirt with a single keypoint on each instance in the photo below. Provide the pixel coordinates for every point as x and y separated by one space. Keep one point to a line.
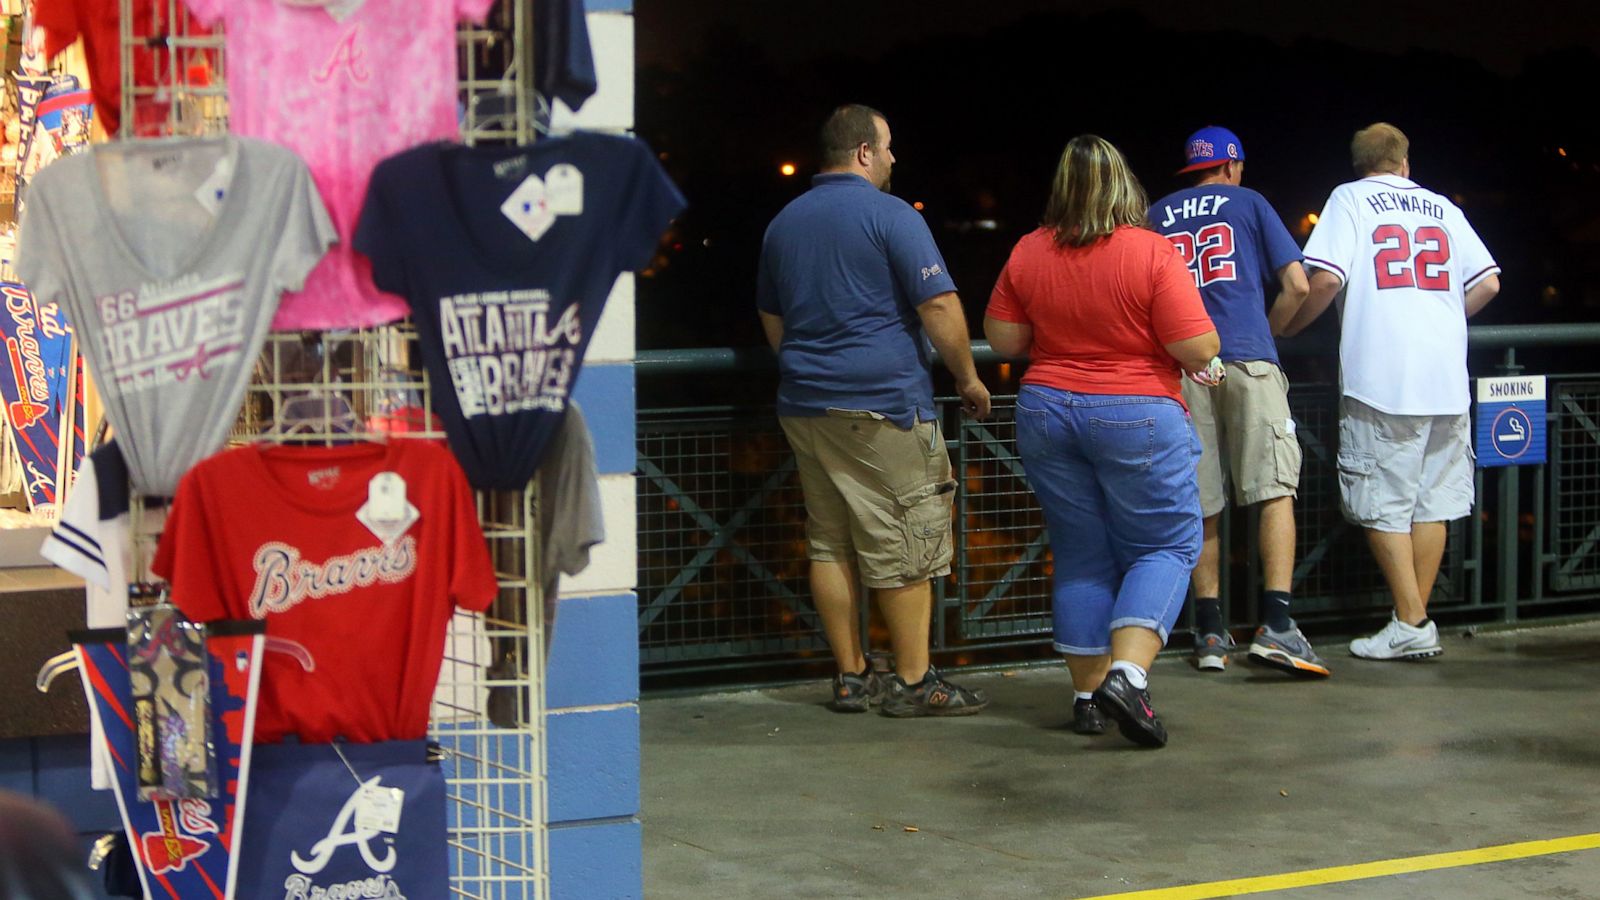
344 85
505 311
279 533
562 53
168 257
97 22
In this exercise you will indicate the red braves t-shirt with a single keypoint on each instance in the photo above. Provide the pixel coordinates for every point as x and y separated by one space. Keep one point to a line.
264 532
1101 314
97 22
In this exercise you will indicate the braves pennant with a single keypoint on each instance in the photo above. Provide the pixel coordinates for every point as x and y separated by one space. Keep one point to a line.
36 379
185 849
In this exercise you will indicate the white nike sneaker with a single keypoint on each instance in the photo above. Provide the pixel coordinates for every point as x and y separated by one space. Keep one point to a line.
1398 640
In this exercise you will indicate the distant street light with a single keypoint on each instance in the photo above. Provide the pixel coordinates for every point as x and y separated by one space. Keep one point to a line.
787 169
1312 218
917 205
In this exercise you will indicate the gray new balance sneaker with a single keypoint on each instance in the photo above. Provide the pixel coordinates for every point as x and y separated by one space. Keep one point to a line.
857 693
1287 650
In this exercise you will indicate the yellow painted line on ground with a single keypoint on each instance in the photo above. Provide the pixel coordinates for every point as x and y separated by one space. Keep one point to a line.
1337 874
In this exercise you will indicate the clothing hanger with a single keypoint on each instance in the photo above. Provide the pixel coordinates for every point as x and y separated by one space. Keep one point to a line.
315 414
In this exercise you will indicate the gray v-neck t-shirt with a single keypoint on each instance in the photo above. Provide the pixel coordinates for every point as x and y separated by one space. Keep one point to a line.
168 256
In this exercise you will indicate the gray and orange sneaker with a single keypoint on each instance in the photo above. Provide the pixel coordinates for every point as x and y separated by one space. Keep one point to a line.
1211 651
932 696
1287 650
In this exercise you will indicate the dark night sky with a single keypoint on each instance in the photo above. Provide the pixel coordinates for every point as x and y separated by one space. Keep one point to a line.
1497 33
982 94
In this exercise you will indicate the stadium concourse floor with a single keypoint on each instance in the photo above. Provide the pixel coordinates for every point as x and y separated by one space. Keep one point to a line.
1286 788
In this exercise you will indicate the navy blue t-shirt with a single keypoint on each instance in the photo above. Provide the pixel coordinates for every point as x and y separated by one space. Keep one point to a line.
846 265
504 316
1234 244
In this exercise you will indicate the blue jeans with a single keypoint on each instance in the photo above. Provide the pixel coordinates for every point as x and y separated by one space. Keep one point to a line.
1116 478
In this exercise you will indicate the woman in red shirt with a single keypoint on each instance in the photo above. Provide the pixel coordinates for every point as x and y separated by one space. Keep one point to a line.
1109 318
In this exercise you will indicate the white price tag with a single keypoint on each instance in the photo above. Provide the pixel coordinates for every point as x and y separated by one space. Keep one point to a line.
378 808
387 513
563 187
214 189
386 497
528 208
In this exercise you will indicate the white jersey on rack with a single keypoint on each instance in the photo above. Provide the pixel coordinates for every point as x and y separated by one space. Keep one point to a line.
100 550
1407 257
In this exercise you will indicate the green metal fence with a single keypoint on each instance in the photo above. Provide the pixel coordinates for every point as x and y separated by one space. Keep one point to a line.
722 568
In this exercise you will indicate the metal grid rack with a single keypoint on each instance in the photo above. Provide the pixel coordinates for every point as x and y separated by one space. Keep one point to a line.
368 384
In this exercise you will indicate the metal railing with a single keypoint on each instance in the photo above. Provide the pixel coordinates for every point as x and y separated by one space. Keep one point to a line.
722 565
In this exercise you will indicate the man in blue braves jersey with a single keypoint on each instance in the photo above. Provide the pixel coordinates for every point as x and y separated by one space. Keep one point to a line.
1235 247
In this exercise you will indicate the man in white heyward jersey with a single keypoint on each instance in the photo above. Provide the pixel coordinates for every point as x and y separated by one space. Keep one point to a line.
1412 271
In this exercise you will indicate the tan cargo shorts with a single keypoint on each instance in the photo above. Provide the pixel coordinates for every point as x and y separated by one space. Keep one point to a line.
1396 470
875 492
1247 436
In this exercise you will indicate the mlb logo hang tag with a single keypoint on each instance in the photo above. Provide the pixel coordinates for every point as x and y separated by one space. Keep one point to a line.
528 208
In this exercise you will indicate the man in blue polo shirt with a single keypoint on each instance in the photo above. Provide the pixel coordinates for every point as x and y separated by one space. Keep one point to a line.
851 292
1237 248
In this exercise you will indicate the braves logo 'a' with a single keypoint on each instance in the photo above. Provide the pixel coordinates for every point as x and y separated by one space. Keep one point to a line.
348 55
171 849
343 834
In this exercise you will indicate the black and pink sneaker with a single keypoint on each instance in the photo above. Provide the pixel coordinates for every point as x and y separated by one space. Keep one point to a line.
1130 706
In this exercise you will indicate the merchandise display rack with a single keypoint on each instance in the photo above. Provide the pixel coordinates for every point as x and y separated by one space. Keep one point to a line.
369 384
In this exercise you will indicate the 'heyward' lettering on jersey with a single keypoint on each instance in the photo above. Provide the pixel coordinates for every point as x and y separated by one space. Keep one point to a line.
1203 205
169 333
1397 202
504 354
284 580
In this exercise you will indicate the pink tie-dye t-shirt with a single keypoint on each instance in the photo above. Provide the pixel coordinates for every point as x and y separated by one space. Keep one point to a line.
343 93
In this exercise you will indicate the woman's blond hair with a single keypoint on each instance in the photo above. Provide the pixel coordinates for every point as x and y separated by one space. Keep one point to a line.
1094 191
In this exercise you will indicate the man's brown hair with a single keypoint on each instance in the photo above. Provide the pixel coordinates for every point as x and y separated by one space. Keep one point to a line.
847 128
1379 147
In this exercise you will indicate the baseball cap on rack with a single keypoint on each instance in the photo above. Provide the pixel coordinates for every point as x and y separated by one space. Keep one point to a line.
1211 146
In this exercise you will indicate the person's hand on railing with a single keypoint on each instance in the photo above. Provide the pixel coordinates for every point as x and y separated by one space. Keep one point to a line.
974 398
1212 375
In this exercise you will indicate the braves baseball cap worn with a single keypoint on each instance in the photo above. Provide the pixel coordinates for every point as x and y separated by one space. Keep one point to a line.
1211 146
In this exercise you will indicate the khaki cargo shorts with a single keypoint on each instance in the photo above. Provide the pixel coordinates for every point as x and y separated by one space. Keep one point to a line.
875 492
1395 470
1247 436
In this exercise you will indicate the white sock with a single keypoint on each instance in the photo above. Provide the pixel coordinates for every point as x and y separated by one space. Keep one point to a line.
1135 673
1083 695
